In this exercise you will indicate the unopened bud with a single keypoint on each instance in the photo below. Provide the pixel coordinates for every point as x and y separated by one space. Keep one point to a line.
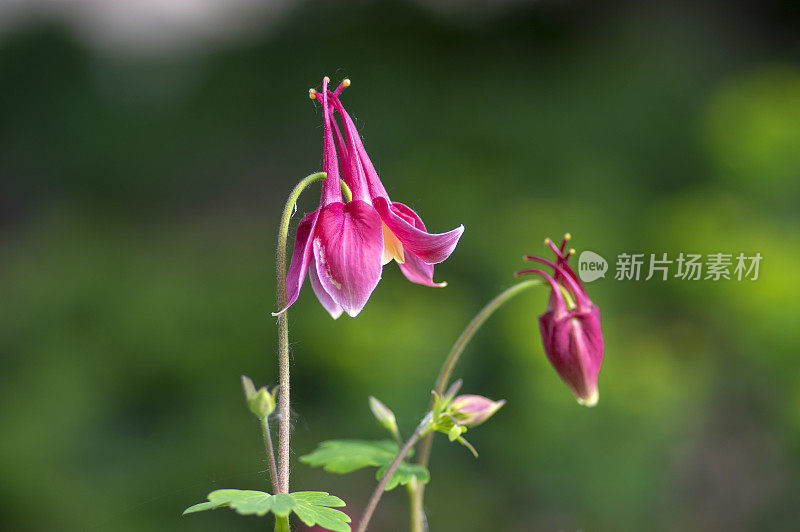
260 402
472 410
570 327
384 415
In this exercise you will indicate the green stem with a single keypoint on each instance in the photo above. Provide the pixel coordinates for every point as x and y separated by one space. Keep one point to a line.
273 471
416 513
283 331
282 524
381 487
418 521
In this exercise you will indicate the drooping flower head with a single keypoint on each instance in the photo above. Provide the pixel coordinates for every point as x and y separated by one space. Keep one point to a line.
342 246
571 334
406 239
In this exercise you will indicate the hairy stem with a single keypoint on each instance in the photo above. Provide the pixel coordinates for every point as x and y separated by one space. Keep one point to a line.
381 487
273 470
418 521
284 428
283 335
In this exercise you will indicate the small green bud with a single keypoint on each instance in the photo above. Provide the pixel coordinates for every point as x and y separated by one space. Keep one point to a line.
260 402
384 415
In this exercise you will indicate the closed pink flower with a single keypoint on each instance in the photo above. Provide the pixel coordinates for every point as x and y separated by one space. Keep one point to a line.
472 410
570 327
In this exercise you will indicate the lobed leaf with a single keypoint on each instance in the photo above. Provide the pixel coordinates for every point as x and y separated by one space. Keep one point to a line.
312 507
345 456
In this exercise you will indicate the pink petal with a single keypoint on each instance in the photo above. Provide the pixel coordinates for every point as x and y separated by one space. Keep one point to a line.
348 247
417 271
301 256
430 248
324 297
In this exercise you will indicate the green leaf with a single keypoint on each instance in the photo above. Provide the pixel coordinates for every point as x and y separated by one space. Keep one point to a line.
312 507
404 473
245 502
199 507
318 498
282 504
345 456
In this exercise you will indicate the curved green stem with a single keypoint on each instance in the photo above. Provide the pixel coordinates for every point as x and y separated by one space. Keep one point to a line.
418 522
283 330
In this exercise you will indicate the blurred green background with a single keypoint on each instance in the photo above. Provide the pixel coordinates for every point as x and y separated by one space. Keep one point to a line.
141 178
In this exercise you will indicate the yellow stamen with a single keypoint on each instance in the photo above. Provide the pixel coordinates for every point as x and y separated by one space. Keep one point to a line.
547 241
572 251
312 93
567 236
346 82
326 79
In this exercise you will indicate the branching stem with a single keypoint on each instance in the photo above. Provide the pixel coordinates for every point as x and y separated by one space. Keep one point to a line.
417 503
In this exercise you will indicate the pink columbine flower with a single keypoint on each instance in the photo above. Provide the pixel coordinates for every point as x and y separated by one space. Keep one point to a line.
405 238
570 327
343 246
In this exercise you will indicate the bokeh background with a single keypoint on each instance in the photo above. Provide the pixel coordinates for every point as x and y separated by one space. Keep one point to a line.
146 149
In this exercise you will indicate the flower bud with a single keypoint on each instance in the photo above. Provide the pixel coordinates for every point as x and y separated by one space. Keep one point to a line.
570 327
472 410
260 402
384 415
574 345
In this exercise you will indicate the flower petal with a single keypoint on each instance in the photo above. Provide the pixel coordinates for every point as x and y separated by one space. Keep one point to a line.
417 271
430 248
348 246
324 297
301 256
